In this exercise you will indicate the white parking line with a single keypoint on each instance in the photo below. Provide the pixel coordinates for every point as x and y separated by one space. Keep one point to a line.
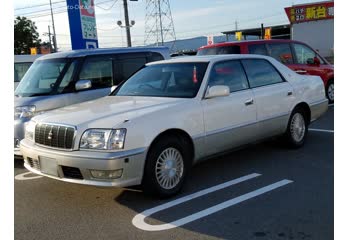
139 220
22 176
321 130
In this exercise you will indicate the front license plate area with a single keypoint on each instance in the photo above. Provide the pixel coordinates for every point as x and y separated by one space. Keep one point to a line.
48 166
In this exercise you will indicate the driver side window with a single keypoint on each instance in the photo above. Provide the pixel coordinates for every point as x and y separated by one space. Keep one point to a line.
303 53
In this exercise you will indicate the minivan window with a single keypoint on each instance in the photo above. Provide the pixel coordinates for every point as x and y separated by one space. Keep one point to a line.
281 52
303 53
98 71
261 73
127 67
20 70
258 49
41 77
177 80
229 73
220 50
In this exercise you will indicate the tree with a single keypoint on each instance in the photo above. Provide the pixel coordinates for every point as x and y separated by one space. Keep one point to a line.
26 35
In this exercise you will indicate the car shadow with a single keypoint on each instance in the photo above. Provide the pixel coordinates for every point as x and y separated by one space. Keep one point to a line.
204 175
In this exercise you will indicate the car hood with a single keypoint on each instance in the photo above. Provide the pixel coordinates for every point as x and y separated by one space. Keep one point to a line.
41 103
107 112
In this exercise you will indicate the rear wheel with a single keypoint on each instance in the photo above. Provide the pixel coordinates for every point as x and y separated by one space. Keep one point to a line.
297 129
330 91
166 167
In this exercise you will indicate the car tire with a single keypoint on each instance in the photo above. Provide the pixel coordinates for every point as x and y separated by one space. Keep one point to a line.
167 165
330 91
297 129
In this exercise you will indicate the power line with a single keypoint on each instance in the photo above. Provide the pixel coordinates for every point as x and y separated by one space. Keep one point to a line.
38 5
106 9
28 14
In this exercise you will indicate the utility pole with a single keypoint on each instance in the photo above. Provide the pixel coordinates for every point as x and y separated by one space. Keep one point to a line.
54 32
127 24
236 25
50 38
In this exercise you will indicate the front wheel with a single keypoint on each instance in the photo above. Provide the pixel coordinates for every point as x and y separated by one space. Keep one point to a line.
166 167
330 91
297 129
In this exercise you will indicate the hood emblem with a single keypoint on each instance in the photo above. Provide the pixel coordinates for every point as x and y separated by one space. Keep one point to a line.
50 135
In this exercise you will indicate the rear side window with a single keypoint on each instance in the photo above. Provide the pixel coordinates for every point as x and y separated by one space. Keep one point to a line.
127 67
281 52
229 73
98 71
258 49
220 50
261 73
154 56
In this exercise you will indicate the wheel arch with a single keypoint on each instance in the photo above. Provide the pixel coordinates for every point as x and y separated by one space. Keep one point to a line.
306 108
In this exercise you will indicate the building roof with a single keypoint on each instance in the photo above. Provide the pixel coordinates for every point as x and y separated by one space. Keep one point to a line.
279 31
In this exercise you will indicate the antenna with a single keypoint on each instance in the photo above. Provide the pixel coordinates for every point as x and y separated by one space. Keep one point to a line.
159 25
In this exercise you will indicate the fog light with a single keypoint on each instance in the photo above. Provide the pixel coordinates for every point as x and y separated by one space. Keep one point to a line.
107 174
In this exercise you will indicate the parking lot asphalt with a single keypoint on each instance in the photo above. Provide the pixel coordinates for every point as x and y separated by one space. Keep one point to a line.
284 194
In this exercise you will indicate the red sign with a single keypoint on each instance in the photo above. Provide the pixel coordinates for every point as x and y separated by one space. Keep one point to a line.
310 12
87 8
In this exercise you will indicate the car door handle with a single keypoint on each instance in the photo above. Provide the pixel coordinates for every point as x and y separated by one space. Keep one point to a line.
300 71
249 102
290 93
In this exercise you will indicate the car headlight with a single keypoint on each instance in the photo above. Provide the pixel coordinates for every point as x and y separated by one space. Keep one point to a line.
103 139
29 130
24 111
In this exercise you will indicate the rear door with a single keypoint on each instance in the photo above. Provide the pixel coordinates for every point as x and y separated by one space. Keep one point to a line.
273 96
229 121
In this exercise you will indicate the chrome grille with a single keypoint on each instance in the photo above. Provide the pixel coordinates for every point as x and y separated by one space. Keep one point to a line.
56 136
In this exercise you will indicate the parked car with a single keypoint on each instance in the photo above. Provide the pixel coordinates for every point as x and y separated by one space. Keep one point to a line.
62 79
22 64
298 56
170 115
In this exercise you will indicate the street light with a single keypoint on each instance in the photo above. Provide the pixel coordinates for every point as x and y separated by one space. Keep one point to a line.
127 27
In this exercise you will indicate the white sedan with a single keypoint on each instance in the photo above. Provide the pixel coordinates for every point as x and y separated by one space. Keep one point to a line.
170 115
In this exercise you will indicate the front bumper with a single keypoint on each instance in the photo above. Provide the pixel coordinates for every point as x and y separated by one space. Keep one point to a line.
19 125
54 164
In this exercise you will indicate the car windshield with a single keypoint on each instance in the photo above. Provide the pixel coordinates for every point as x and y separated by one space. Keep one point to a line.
41 78
219 50
178 80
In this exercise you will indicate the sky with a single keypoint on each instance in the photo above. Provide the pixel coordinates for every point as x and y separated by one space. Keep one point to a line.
191 18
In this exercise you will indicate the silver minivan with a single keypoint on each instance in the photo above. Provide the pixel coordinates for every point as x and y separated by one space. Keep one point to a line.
61 79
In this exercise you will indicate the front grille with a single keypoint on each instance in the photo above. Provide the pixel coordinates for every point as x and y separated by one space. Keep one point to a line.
54 135
34 163
71 172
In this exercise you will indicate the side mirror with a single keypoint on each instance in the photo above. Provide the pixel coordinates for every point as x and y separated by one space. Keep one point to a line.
217 91
113 88
82 84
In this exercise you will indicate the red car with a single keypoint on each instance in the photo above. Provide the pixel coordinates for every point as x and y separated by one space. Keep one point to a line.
296 55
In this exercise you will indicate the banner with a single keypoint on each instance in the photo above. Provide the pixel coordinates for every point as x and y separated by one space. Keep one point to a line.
82 24
310 12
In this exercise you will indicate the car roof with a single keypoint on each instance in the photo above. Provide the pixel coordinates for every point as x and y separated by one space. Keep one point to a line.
26 58
100 51
210 58
244 42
